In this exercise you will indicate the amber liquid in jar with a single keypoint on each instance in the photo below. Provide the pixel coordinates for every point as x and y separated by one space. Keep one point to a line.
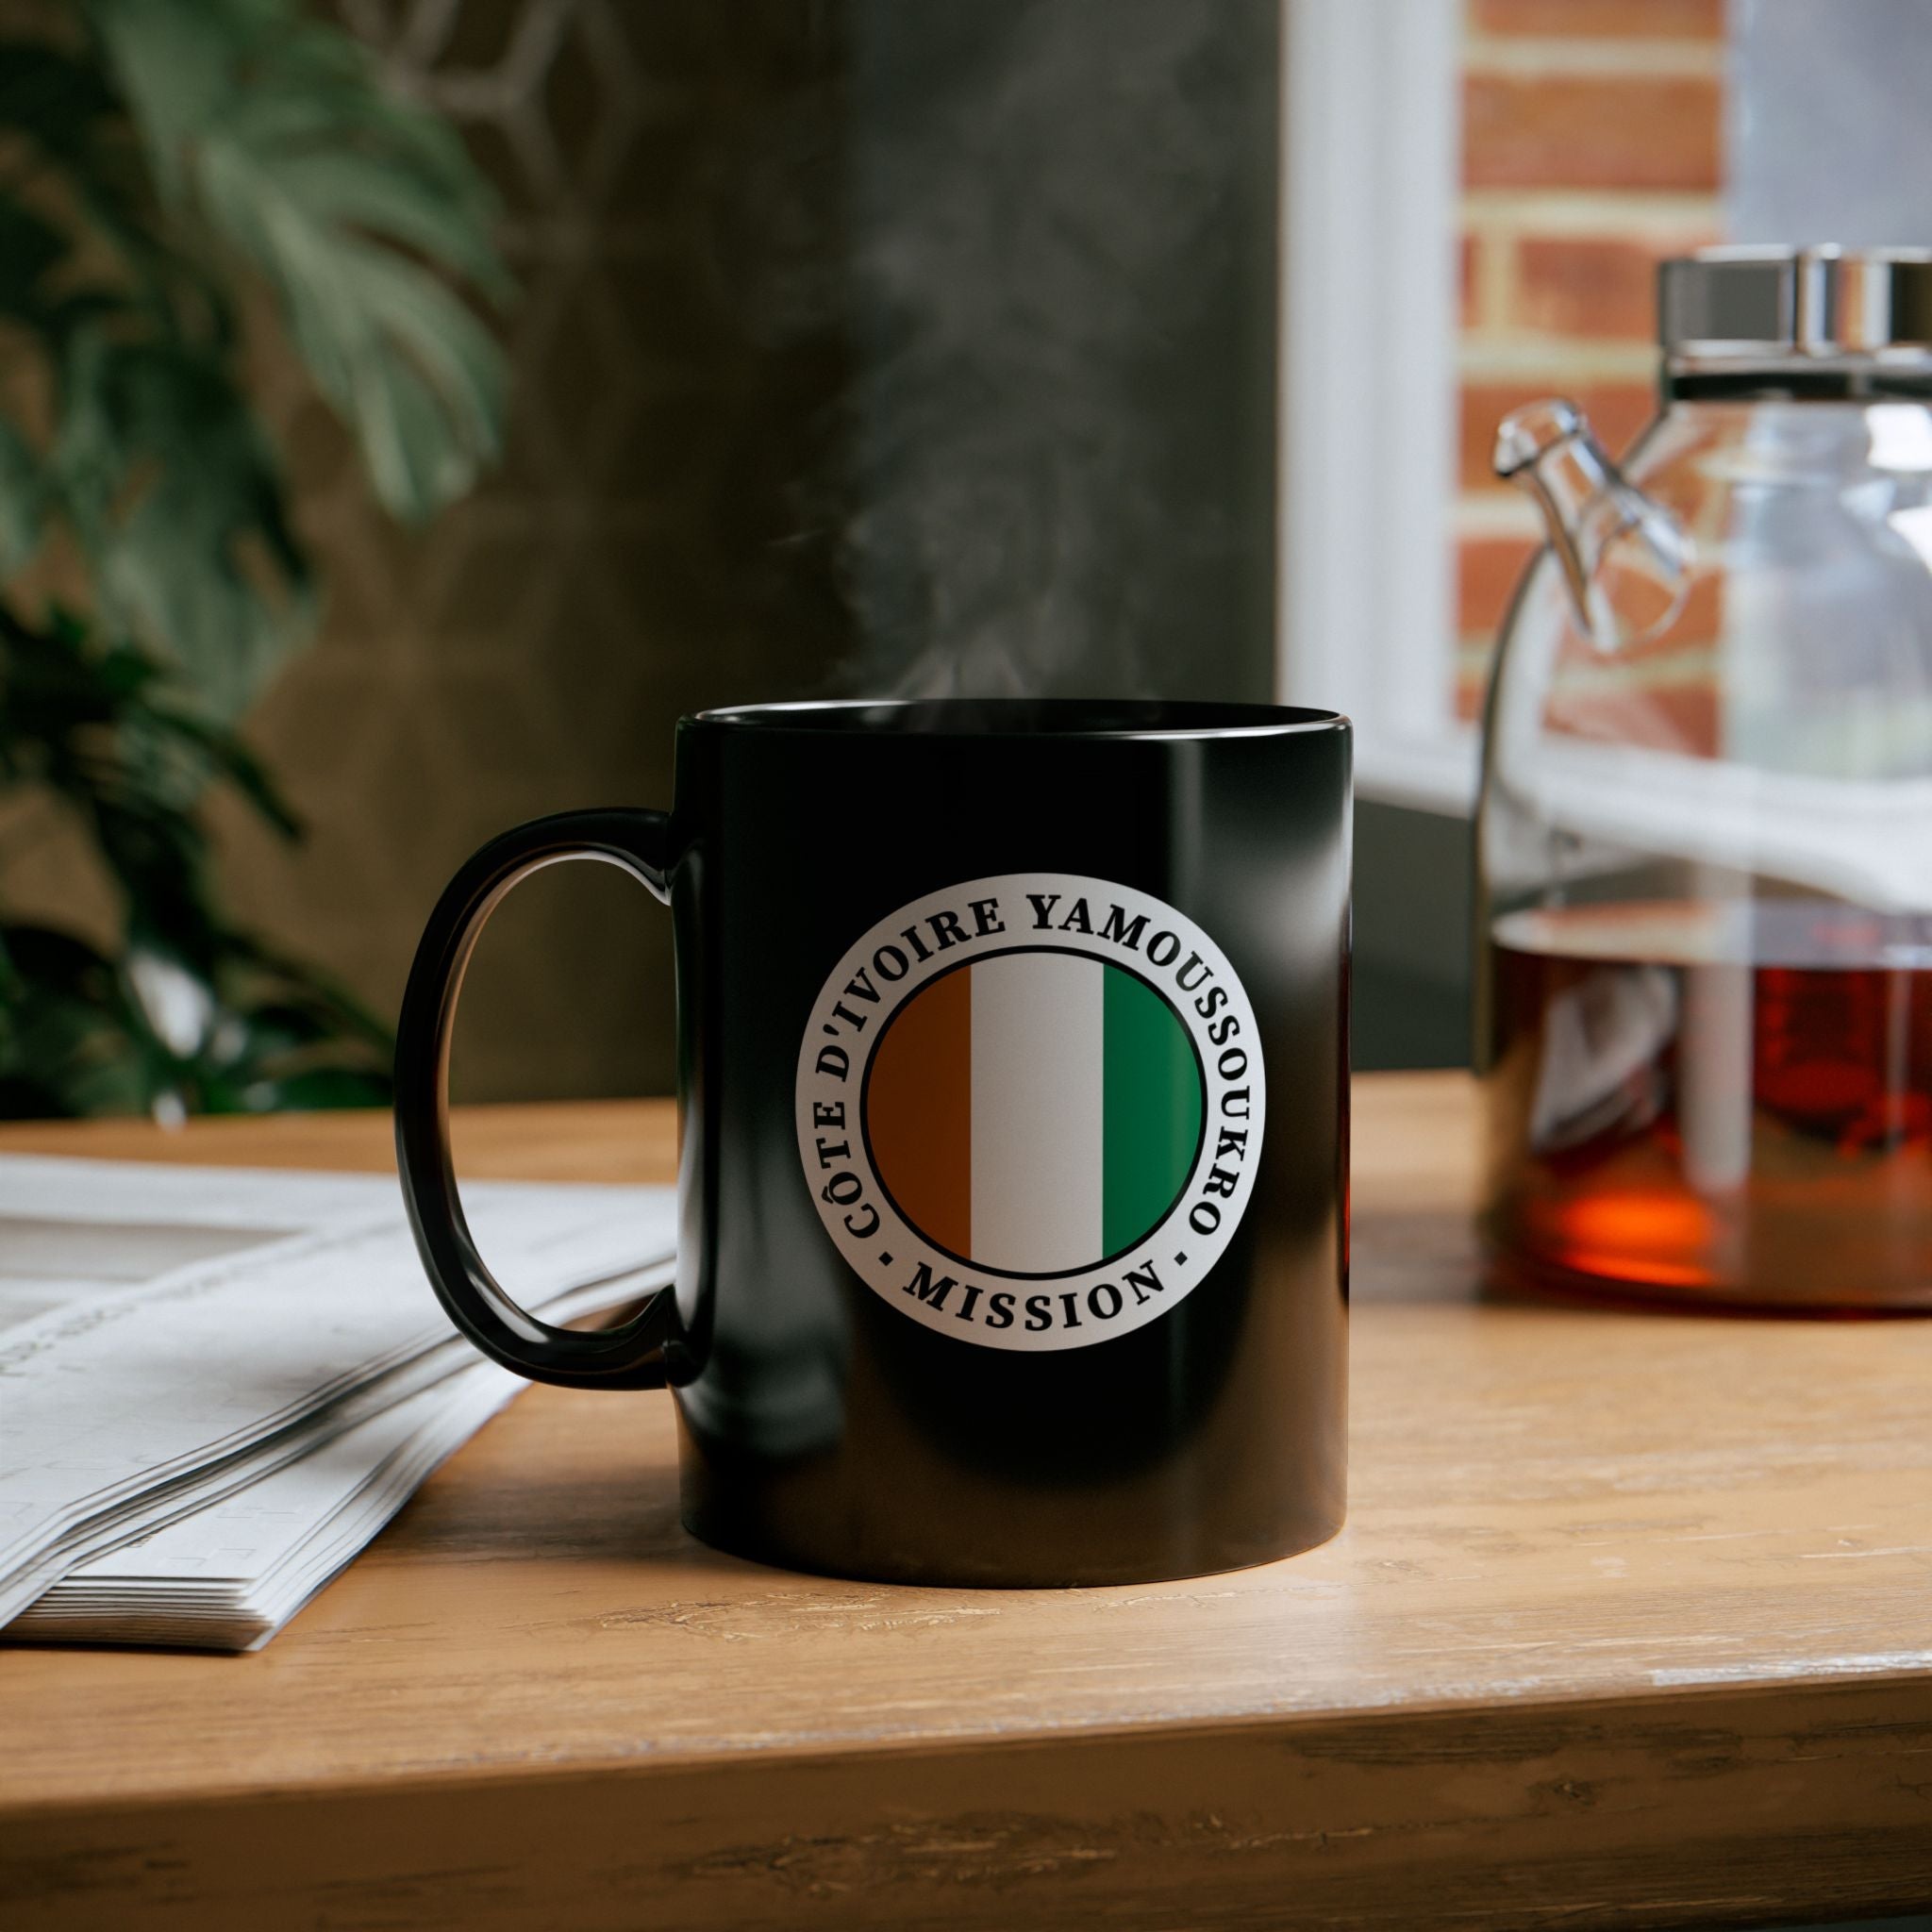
1713 1102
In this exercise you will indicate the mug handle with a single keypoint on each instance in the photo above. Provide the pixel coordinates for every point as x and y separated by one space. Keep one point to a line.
629 1356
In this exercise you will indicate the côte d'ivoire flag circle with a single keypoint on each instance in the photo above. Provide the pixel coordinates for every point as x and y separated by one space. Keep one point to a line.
1034 1113
1030 1109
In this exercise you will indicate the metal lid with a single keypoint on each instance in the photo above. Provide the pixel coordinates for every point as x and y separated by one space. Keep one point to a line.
1755 305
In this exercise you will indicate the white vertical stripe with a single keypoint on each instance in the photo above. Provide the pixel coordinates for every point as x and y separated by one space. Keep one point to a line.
1039 1056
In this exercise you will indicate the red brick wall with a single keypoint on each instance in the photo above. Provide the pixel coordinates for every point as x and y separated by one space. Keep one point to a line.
1592 147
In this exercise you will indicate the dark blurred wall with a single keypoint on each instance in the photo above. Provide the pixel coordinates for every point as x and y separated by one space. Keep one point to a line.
1063 263
865 344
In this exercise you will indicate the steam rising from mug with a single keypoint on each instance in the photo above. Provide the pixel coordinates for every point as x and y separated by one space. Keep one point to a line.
1055 451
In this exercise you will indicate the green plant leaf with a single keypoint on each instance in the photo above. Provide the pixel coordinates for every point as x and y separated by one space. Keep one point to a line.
73 130
65 1048
351 201
52 96
175 498
313 1089
229 758
29 248
23 500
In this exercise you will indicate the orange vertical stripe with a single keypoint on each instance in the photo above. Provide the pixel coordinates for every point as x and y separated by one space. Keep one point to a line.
919 1111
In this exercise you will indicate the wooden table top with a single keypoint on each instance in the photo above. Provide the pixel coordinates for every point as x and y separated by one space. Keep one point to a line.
1631 1624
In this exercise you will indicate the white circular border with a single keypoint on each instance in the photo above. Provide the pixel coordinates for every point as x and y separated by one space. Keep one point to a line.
1183 1257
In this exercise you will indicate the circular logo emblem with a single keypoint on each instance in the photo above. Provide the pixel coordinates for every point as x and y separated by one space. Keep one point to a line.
1030 1109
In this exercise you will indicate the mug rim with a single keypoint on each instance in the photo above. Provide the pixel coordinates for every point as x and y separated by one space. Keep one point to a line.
1023 718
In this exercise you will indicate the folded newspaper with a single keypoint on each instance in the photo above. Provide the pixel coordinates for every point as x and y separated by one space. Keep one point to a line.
217 1385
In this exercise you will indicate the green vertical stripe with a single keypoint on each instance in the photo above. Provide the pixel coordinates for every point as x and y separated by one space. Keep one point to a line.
1152 1108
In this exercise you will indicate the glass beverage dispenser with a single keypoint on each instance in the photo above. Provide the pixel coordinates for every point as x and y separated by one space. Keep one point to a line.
1704 837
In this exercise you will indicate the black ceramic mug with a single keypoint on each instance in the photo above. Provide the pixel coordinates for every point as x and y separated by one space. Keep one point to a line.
1014 1072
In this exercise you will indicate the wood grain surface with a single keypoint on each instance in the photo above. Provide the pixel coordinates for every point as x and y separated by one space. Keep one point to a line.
1631 1626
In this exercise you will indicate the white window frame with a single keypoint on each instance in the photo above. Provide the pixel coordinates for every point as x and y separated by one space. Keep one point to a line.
1370 309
